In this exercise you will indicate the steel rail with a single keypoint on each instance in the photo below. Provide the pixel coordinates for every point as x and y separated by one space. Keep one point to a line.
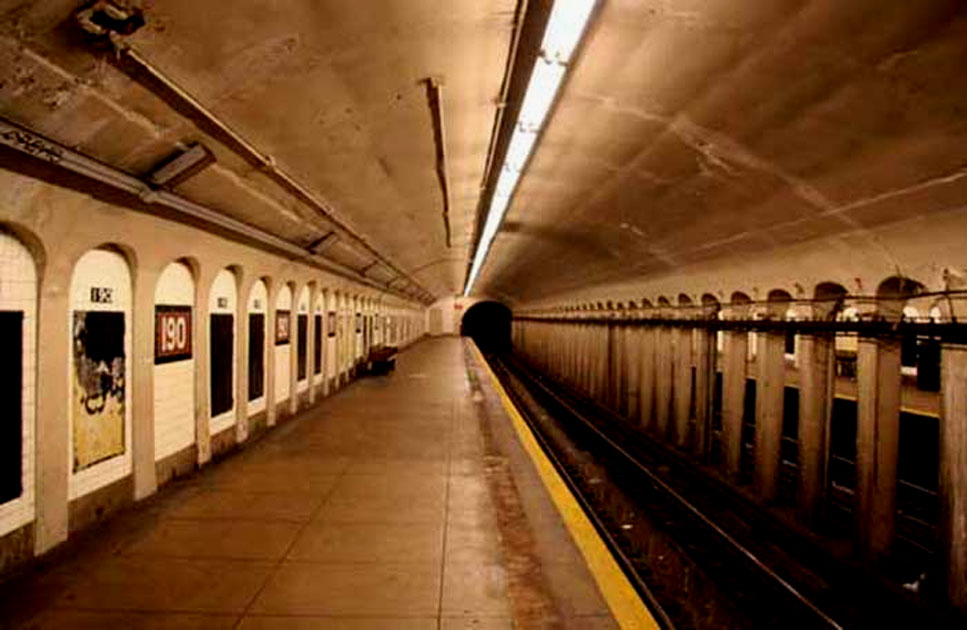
624 561
730 540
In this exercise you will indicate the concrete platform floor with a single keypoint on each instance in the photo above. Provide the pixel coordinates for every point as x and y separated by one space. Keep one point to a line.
390 505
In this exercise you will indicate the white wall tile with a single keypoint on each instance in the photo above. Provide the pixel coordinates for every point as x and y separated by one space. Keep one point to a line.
174 383
18 292
101 268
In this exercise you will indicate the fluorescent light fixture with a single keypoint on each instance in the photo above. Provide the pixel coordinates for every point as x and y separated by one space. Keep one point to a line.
565 27
563 32
545 79
519 149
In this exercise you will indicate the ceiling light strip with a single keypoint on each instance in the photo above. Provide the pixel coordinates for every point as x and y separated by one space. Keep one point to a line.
565 26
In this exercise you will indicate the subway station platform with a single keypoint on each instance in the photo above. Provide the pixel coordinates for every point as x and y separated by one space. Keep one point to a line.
404 501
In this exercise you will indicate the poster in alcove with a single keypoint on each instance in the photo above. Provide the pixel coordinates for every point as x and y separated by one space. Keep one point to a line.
11 386
98 387
282 327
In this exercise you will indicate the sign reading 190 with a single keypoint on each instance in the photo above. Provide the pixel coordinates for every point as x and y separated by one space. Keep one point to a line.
172 340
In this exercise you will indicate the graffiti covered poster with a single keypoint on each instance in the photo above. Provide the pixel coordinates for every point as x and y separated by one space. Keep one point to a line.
98 387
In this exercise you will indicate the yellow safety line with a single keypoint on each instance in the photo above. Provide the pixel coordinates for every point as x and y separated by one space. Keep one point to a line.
625 604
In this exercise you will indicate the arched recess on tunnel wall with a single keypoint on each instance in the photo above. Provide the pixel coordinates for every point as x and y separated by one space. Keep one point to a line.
174 360
282 343
258 301
319 336
222 306
302 340
331 360
18 317
99 415
488 323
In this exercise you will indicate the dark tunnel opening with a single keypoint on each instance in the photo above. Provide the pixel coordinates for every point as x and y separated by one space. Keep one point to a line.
488 324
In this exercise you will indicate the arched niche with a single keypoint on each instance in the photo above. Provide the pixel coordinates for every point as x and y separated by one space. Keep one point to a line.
99 409
828 299
302 340
222 367
282 342
893 293
174 360
319 336
18 326
257 310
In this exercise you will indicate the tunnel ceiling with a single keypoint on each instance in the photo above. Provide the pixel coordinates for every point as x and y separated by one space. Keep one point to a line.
331 89
700 130
688 131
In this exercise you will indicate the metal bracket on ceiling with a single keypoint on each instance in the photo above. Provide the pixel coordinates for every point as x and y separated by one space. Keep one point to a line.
182 166
434 96
323 243
108 23
106 19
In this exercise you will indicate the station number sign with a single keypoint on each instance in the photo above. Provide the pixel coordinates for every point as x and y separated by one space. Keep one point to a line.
172 333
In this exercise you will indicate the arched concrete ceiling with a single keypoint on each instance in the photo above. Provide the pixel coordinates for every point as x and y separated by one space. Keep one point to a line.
331 89
689 131
692 131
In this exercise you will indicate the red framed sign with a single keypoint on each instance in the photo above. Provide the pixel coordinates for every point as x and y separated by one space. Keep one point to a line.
172 333
283 327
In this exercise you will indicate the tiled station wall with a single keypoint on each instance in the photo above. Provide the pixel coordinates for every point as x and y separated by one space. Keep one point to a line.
101 449
112 311
18 294
258 305
174 379
223 300
282 339
300 332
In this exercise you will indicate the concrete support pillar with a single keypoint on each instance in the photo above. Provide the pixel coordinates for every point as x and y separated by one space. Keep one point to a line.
877 443
142 399
682 388
736 347
203 390
52 444
620 372
571 332
241 358
815 406
953 471
600 381
646 379
663 380
632 371
703 343
769 412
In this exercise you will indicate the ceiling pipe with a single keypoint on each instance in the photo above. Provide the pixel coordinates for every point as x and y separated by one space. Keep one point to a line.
29 143
519 14
434 95
143 72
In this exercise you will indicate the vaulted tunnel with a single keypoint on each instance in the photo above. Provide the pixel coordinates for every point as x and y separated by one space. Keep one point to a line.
488 324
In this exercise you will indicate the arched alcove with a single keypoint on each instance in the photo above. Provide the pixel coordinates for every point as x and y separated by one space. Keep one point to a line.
488 323
174 369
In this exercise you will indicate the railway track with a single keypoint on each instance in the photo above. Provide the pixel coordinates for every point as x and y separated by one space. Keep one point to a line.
700 554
